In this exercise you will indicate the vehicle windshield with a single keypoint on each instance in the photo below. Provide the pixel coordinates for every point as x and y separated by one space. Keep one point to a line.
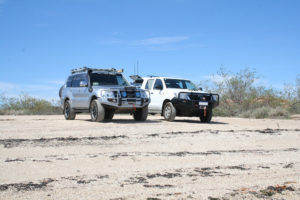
180 84
99 79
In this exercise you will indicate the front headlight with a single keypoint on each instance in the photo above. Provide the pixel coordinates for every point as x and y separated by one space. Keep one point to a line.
107 94
184 96
145 94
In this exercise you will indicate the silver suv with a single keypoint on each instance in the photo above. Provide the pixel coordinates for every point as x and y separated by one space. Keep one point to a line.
102 92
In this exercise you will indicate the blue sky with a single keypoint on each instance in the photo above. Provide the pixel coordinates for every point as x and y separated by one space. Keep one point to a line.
41 40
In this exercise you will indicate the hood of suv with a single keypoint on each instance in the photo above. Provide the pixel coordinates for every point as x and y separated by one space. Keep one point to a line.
115 87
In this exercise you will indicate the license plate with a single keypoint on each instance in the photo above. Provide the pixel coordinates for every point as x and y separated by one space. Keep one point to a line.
201 103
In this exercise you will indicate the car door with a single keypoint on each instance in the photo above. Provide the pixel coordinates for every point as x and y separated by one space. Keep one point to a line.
76 91
157 96
148 86
83 95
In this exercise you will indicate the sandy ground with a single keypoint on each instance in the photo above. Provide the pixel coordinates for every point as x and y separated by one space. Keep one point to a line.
47 157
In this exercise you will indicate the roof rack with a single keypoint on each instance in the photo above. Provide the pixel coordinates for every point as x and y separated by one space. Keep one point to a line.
152 76
84 69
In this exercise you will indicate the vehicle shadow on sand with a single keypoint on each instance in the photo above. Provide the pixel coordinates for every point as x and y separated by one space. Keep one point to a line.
126 121
196 121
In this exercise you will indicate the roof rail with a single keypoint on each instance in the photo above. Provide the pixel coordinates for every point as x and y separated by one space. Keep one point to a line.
151 76
83 69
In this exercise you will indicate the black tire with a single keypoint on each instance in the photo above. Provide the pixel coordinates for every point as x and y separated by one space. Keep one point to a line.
97 111
169 112
109 114
69 112
207 118
141 114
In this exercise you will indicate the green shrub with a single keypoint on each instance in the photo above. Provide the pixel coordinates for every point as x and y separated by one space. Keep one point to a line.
266 112
260 113
27 105
294 107
240 96
279 112
246 114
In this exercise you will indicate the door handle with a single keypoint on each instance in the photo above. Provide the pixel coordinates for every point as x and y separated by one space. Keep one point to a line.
151 92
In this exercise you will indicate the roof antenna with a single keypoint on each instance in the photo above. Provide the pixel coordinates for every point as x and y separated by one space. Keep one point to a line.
137 67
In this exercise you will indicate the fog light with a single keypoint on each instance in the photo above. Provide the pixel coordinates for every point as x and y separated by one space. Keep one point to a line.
124 94
138 94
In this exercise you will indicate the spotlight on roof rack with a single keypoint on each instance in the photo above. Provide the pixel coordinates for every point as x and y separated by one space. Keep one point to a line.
83 69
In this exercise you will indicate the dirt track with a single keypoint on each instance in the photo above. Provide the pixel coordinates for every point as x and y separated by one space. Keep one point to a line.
47 157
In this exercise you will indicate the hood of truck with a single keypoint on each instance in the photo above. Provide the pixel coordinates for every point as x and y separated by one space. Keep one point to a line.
178 90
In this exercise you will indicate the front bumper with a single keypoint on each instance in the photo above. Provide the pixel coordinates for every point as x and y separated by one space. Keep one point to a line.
193 107
126 102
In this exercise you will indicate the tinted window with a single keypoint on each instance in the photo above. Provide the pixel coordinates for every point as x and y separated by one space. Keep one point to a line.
181 84
76 80
108 79
69 81
158 84
149 84
84 77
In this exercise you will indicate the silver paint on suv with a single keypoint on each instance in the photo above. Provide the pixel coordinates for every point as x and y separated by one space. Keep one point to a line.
102 92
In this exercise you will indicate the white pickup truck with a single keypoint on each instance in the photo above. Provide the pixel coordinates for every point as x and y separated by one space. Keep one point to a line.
173 97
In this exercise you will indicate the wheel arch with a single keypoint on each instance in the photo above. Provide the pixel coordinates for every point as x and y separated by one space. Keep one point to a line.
66 99
92 99
163 105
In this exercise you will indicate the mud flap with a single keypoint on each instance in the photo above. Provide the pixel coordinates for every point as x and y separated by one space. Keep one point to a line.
134 108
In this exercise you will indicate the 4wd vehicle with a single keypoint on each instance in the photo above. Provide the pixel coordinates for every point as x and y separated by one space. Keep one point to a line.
102 92
173 97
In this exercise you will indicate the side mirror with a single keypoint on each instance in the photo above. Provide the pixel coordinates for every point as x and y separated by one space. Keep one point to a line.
200 89
83 84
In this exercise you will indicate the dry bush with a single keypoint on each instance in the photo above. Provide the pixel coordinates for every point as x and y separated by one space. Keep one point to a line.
239 96
27 105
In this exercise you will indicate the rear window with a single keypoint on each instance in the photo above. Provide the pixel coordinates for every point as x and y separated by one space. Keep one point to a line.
69 81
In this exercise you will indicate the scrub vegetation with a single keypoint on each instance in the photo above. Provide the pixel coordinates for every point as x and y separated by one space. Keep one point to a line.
242 95
27 105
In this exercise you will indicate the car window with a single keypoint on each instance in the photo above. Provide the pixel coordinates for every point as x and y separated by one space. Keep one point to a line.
190 85
149 84
69 81
158 85
179 83
121 81
84 77
76 80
